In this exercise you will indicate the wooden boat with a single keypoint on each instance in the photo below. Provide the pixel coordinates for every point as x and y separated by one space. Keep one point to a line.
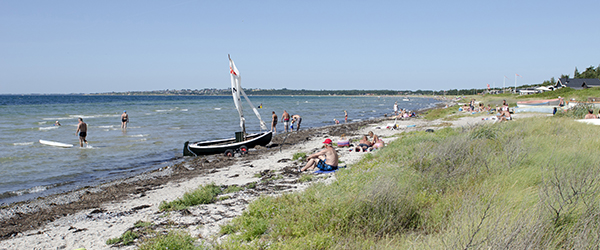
548 102
241 142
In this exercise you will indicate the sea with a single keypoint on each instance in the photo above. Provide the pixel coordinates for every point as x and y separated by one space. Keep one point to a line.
154 138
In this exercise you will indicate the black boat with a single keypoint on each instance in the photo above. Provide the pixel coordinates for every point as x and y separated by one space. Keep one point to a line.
242 142
226 146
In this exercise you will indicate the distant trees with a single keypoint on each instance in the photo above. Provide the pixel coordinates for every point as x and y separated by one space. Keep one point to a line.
590 72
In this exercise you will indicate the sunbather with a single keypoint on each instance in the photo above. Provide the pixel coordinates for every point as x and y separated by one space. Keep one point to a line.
363 144
326 159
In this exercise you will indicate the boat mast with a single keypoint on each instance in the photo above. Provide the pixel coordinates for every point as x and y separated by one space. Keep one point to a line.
235 91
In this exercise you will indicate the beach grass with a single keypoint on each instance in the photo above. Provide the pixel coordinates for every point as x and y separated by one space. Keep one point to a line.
529 183
173 240
204 195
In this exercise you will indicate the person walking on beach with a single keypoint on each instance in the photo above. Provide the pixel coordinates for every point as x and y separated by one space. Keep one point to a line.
297 120
285 118
82 132
326 159
124 119
274 123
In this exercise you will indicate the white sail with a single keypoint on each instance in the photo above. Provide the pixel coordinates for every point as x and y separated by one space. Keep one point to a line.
262 123
235 91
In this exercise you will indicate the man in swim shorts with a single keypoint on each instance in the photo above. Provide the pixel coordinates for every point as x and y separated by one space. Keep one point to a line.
124 119
285 118
274 123
82 132
326 159
297 120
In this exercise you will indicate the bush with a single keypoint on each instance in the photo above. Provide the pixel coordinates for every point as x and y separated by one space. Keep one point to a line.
203 195
173 240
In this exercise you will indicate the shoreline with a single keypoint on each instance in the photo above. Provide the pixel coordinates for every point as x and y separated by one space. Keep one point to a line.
28 221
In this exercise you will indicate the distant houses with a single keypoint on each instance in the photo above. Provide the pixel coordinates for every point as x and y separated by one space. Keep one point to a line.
578 83
574 83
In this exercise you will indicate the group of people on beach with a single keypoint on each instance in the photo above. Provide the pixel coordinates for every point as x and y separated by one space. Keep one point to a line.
402 113
327 159
364 144
502 112
296 120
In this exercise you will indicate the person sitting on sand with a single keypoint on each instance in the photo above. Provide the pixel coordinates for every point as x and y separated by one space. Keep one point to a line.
504 114
377 142
363 144
590 115
325 160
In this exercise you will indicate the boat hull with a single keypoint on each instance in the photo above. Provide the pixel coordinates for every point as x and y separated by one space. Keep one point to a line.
537 103
221 146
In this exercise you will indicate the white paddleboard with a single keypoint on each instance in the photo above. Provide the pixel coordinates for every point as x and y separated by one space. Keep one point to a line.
56 144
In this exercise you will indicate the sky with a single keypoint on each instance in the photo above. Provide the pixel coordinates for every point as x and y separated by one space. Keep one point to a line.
65 47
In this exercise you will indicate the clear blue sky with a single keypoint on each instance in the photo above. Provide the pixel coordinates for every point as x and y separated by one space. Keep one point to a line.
103 46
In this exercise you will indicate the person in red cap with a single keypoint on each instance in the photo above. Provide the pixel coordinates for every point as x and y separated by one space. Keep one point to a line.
326 159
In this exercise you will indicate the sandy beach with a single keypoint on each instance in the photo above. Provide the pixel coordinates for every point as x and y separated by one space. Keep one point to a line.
88 217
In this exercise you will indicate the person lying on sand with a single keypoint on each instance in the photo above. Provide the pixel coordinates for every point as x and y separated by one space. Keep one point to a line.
363 144
325 160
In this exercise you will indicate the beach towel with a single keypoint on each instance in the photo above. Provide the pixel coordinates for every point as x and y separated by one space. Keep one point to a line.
328 172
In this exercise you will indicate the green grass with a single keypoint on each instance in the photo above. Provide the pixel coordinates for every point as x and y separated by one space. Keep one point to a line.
126 238
204 195
531 183
299 156
173 240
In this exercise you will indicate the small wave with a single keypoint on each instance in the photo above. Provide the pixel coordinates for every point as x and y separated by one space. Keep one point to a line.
184 110
138 135
175 128
217 108
36 189
167 110
47 128
109 126
23 143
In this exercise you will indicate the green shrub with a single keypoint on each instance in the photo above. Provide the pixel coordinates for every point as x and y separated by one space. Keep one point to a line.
173 240
203 195
127 238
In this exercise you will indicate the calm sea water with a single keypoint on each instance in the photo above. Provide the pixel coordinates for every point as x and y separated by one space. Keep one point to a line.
159 125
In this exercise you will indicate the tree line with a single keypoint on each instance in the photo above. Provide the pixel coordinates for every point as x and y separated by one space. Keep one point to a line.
590 72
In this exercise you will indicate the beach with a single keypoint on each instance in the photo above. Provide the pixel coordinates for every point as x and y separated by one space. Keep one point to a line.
90 216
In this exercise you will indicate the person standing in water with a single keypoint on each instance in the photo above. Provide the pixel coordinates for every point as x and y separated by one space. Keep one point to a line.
345 116
297 120
124 119
274 123
82 132
285 118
